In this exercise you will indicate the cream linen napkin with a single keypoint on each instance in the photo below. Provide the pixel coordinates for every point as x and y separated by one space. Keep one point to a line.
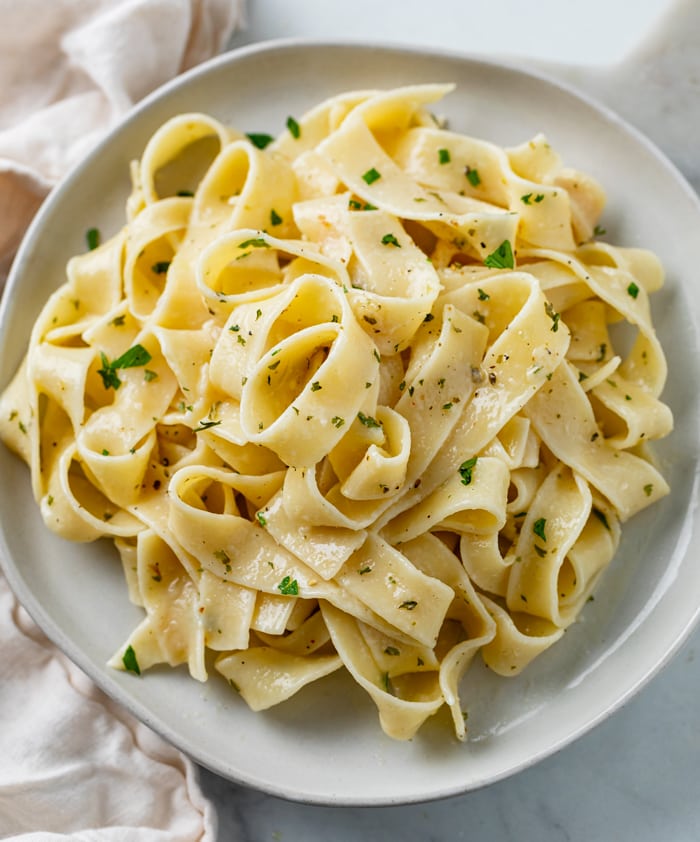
69 69
72 764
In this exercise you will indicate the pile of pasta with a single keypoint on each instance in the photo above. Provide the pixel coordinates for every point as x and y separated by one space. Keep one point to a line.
348 397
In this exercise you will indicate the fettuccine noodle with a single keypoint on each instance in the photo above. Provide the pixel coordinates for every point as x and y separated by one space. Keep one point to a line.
348 398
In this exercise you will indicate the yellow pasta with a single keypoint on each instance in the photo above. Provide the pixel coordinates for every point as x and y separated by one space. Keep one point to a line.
348 398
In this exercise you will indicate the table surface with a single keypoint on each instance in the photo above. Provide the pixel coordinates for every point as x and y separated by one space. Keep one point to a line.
635 777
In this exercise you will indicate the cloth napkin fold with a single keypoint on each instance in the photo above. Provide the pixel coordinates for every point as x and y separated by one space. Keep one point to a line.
73 765
71 68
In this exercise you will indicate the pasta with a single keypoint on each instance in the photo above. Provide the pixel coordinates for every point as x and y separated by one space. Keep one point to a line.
353 397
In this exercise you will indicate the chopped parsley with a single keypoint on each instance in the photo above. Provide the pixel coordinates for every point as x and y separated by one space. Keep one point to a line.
390 240
262 520
501 258
224 558
472 176
255 242
371 176
392 650
133 358
526 198
367 420
161 267
259 140
315 386
92 238
149 375
444 156
633 290
275 218
538 528
549 310
288 586
130 662
294 129
598 231
409 604
483 296
353 204
337 421
186 194
648 489
465 470
205 425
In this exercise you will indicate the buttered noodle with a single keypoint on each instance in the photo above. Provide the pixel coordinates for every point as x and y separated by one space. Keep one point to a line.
348 399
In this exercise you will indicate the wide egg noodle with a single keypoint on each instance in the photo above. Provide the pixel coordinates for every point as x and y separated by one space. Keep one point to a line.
368 396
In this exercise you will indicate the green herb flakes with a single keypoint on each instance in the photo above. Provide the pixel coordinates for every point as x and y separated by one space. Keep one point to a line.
259 140
371 176
466 469
205 425
538 528
130 662
367 420
92 238
294 128
254 242
133 358
288 587
501 258
472 176
549 310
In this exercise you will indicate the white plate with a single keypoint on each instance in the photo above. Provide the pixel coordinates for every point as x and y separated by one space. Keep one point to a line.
325 745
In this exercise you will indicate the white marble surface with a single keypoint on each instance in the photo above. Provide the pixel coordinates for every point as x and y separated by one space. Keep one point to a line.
636 776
